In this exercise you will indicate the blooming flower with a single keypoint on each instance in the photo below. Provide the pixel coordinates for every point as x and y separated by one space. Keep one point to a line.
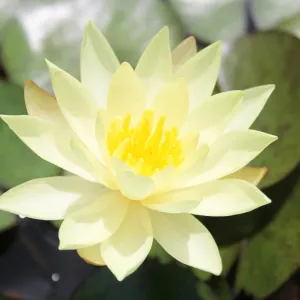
149 147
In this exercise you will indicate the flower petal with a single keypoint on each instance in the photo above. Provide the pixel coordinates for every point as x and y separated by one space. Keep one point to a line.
87 161
252 104
201 73
101 130
131 185
187 240
92 255
173 102
92 223
98 63
126 93
49 141
212 116
184 51
48 198
225 197
216 198
129 246
155 65
77 106
163 179
250 174
41 104
231 152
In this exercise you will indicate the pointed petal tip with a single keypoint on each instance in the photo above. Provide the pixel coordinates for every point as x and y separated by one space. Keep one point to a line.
192 38
218 45
126 64
89 24
164 32
29 83
50 65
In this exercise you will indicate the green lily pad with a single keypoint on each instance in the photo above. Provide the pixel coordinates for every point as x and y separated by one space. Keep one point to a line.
128 25
7 220
17 162
212 20
272 256
268 14
151 281
265 58
218 289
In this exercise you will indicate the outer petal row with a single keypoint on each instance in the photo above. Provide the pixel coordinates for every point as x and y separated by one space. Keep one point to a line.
229 153
181 235
49 198
216 198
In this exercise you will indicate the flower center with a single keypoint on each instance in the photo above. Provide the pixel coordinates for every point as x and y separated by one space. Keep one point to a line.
147 146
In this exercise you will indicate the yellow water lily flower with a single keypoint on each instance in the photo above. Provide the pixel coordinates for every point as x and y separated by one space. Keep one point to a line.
150 147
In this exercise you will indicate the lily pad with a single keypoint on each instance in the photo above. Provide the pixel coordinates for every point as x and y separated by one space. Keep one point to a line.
265 58
212 20
151 281
217 289
53 30
17 162
272 256
7 220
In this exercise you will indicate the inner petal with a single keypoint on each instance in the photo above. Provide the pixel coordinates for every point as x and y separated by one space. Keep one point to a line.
146 146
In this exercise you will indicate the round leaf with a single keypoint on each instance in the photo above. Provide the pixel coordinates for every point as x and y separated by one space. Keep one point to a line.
272 256
7 220
265 58
212 20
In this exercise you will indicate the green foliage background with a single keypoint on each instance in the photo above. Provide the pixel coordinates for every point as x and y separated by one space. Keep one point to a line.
261 249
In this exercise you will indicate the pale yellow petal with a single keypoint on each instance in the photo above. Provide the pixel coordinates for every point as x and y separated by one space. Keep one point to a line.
129 246
92 223
48 198
189 142
41 104
126 93
193 161
173 102
225 197
213 115
98 63
252 104
250 174
201 73
216 198
155 65
187 240
77 105
101 130
170 204
184 51
105 53
231 152
131 185
163 179
86 160
49 141
92 255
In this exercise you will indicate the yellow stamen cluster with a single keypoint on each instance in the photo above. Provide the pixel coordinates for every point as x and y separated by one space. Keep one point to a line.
147 147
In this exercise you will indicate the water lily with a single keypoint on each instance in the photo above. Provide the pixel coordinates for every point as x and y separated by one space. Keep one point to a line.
149 148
